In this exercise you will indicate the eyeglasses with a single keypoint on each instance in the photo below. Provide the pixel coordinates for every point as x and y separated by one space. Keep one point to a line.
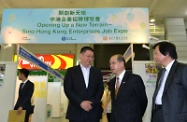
88 56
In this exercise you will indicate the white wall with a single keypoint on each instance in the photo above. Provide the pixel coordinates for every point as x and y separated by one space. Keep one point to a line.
7 90
54 98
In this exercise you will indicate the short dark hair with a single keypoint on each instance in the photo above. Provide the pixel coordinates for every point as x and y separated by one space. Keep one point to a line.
120 58
25 72
167 48
85 48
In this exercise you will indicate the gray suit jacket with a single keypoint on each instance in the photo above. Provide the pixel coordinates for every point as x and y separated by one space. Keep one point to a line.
174 99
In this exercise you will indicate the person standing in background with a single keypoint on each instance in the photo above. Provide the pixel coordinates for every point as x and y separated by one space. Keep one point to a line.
83 86
170 97
26 90
129 100
107 105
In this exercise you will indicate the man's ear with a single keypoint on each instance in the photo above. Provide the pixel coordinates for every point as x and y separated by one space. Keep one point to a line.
167 54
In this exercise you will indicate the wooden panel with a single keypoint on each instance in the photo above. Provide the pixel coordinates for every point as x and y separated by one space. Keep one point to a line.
182 53
182 48
174 21
175 28
176 33
176 38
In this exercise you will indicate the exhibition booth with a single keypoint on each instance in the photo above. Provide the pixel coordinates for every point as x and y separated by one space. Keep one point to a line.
66 26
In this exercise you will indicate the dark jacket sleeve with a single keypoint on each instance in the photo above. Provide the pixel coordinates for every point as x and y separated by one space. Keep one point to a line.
184 76
139 88
71 95
99 91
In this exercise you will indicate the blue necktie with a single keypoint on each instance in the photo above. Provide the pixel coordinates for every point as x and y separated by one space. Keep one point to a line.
21 85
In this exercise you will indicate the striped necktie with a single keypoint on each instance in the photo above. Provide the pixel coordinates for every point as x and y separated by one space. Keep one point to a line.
117 86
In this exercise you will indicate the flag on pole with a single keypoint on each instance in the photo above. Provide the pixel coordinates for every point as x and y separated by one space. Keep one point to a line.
129 53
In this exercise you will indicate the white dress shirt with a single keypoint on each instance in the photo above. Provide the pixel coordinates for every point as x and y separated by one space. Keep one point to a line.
24 83
86 74
158 99
120 77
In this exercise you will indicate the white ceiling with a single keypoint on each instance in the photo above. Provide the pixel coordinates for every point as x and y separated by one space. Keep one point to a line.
159 9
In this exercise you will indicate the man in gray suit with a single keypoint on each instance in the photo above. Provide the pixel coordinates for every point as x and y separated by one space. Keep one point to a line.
170 96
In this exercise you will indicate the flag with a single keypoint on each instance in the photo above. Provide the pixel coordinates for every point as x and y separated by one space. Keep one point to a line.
129 53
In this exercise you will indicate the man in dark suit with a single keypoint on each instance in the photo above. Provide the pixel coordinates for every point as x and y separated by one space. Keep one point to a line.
83 86
170 96
129 100
26 90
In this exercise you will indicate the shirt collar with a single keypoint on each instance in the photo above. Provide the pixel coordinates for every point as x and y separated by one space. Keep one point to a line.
82 67
168 67
25 81
121 75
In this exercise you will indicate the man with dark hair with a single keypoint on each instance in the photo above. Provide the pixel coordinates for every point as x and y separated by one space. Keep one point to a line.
170 96
26 90
129 100
83 86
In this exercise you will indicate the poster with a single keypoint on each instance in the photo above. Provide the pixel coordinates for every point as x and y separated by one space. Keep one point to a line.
2 73
152 70
40 89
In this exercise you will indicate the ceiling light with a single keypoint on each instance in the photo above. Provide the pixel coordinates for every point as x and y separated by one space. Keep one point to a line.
152 20
145 46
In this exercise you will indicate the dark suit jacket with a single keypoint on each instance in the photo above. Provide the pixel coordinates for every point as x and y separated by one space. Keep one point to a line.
131 101
76 91
24 98
174 99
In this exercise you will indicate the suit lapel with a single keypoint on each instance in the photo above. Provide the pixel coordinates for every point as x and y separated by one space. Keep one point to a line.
170 75
91 77
81 77
113 81
125 78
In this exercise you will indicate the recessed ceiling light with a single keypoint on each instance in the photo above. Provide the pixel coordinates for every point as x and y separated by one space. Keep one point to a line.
152 20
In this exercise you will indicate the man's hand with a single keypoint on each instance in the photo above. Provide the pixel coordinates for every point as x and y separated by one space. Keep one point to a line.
86 105
19 110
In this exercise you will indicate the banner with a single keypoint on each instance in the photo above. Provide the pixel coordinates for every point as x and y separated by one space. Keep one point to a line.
78 25
61 61
30 57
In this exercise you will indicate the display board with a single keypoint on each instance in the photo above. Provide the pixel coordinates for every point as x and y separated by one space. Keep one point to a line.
7 89
77 25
